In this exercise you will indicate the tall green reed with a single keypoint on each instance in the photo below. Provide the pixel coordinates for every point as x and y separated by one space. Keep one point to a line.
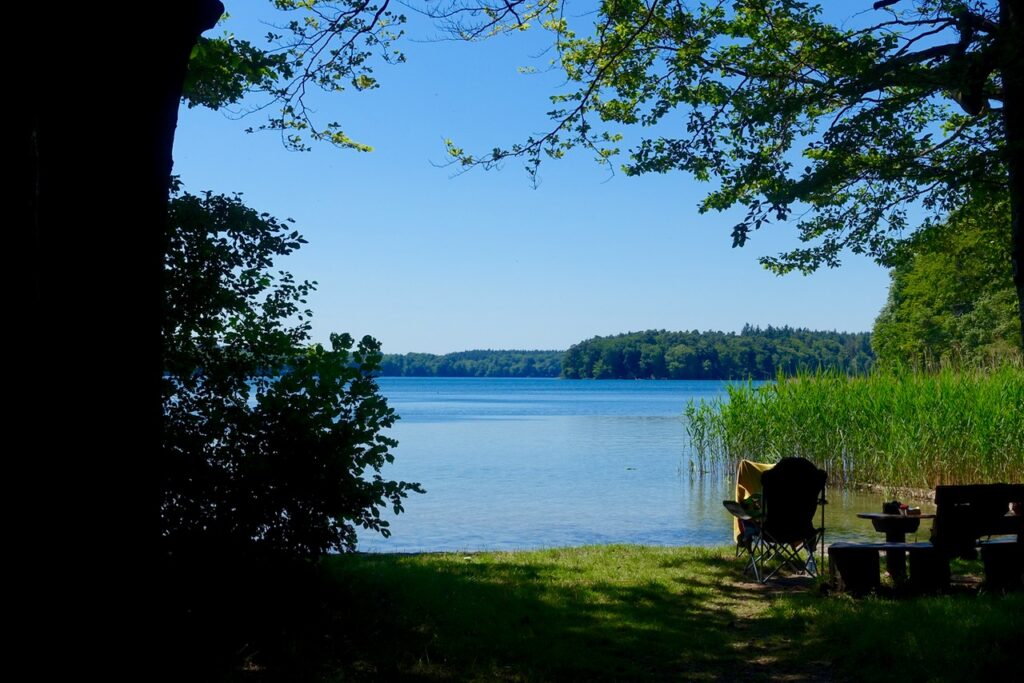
899 427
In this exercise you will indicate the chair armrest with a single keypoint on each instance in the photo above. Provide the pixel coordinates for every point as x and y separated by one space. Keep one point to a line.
737 510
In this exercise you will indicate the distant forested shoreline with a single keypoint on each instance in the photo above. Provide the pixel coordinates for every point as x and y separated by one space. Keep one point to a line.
752 353
478 363
657 354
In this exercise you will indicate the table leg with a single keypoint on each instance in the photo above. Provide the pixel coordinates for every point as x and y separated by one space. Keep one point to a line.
896 560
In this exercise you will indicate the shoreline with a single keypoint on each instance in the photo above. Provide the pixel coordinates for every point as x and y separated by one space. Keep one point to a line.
910 493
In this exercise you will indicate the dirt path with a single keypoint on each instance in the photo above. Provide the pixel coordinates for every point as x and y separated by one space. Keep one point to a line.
763 652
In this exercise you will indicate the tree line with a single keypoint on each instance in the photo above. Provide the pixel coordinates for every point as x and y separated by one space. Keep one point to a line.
478 363
752 353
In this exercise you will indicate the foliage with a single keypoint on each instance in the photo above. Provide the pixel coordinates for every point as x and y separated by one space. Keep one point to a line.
753 353
269 444
952 297
474 364
326 45
898 428
841 127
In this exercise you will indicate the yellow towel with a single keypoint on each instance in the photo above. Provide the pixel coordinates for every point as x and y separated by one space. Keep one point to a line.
748 482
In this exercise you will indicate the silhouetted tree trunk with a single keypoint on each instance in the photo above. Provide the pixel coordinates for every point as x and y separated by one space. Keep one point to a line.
103 91
1011 24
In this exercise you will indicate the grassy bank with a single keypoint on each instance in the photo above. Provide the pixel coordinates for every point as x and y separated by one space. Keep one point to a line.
894 428
619 613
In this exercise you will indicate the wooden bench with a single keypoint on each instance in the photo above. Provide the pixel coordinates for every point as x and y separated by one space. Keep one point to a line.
855 565
964 515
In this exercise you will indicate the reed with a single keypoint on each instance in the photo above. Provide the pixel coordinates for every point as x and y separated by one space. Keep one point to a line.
897 427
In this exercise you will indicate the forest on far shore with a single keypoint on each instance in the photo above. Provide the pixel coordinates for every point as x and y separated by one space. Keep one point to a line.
656 354
752 353
479 363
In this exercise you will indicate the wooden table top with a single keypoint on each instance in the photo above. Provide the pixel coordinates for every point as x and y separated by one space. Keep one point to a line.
886 515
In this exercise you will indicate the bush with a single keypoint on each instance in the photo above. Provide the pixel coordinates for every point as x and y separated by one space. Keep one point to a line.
272 446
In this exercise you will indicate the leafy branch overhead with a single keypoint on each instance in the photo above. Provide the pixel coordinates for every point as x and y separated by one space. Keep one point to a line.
841 128
320 46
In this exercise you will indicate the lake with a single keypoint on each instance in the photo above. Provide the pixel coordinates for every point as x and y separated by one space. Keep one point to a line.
512 464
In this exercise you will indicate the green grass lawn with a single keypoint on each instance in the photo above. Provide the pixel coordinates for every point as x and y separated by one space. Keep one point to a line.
621 613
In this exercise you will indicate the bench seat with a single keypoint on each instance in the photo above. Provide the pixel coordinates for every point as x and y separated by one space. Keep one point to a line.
883 545
855 566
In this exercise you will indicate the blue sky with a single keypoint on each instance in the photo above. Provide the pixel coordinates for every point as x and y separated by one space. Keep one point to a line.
425 261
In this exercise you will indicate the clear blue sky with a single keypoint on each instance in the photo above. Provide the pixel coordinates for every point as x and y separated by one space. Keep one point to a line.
429 262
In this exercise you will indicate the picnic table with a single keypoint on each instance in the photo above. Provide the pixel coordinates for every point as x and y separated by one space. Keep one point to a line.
895 527
968 517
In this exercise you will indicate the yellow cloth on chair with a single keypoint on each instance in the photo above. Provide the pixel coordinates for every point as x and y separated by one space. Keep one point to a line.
748 482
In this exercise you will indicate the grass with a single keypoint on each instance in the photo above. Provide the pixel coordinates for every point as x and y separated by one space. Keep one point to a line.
617 613
903 429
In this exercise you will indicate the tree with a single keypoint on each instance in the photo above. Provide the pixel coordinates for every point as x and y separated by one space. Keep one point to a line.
271 446
93 152
271 449
228 335
952 296
93 161
849 131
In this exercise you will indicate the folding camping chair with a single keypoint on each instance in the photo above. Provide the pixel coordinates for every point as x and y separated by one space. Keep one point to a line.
783 534
748 500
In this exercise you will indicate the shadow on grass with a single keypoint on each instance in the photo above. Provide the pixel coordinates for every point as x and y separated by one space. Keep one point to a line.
535 622
616 613
589 614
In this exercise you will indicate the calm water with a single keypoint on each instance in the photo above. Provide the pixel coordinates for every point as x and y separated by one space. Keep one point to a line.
536 463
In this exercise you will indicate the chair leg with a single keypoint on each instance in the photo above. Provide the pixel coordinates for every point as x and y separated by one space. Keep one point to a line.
755 554
811 567
782 554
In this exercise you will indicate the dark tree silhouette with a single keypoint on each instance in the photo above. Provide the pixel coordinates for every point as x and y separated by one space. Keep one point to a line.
102 85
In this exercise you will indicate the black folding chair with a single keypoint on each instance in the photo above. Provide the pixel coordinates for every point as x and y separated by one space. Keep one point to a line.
783 535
